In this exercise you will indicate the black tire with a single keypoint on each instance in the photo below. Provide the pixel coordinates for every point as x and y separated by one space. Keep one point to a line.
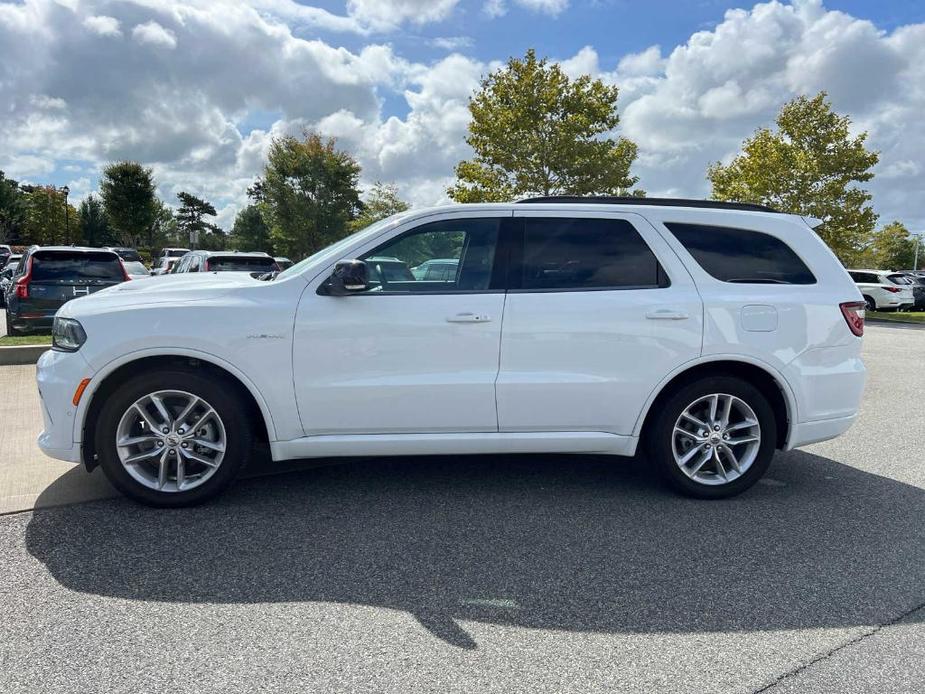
224 399
869 303
660 433
10 330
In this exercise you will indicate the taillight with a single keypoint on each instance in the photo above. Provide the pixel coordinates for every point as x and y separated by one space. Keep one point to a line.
892 290
22 284
853 311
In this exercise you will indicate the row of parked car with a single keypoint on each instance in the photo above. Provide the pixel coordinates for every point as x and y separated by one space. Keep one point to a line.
35 284
886 290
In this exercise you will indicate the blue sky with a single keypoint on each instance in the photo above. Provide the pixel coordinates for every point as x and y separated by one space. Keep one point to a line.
197 89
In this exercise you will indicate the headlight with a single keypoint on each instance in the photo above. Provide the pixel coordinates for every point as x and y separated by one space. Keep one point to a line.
67 335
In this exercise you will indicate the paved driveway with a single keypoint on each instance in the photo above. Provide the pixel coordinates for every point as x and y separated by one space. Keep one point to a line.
515 574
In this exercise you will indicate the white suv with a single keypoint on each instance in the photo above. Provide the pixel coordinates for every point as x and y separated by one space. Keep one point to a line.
884 289
711 333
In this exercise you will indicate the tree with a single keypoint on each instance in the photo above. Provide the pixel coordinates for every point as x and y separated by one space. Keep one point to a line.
250 232
127 190
308 193
12 210
810 166
190 223
45 215
893 247
535 131
382 202
93 229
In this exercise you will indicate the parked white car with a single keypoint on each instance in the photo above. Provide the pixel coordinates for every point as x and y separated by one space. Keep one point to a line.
883 289
710 333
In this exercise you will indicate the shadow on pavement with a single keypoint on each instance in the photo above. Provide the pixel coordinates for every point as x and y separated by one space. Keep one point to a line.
560 542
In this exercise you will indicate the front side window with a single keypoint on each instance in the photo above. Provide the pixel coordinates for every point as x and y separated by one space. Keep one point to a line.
465 248
741 255
562 253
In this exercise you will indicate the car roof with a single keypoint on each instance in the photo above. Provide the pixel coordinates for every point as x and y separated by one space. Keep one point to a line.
876 272
71 249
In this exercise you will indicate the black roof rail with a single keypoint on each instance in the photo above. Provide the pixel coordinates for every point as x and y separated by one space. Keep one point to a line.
657 202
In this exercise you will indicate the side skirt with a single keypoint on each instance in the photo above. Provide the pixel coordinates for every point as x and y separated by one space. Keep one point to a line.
454 444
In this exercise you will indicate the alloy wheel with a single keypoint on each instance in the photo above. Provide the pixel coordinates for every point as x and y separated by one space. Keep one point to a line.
171 441
716 439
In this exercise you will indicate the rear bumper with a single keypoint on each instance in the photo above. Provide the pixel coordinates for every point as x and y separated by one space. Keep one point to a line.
806 433
33 320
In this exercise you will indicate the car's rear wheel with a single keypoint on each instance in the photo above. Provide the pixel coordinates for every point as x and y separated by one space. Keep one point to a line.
869 303
173 437
10 330
713 438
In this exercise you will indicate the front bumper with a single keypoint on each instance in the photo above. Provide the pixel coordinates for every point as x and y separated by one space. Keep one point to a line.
58 374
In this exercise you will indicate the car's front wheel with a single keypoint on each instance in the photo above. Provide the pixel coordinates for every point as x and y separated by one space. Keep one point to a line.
713 438
173 437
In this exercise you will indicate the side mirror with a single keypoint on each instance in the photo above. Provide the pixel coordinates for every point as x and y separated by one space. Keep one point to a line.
349 276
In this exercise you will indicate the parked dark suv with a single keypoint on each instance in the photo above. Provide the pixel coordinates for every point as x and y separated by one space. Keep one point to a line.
48 277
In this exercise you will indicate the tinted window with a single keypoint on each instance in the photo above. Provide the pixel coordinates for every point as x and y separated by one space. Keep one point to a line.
129 254
742 255
584 253
865 277
61 266
178 253
899 279
465 245
134 268
231 263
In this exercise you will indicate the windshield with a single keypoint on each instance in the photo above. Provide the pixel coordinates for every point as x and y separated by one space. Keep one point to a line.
337 247
135 268
70 267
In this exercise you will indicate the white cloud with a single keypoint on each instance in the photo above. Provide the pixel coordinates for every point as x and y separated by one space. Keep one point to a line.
154 34
498 8
451 43
241 72
382 15
103 25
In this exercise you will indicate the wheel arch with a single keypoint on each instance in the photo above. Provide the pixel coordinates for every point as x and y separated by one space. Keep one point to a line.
113 374
768 380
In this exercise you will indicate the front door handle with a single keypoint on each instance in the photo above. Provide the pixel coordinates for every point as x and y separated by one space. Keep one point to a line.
469 318
667 314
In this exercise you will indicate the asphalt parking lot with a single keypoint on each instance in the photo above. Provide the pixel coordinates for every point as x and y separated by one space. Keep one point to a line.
510 574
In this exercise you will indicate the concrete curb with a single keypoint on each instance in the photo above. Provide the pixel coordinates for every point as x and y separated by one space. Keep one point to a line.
21 354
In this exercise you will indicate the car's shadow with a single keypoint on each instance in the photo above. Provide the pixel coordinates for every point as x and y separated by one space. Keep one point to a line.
551 542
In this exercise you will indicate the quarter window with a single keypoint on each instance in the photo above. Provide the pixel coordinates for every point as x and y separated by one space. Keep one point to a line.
445 256
562 253
741 255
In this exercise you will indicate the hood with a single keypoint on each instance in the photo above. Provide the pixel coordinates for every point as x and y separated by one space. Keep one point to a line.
164 289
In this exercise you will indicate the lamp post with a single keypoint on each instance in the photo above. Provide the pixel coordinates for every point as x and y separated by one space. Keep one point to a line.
67 223
918 241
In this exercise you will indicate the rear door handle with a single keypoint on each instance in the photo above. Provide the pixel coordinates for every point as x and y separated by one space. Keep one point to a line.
667 314
469 318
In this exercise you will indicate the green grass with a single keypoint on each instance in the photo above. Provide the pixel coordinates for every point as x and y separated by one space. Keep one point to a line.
898 317
7 341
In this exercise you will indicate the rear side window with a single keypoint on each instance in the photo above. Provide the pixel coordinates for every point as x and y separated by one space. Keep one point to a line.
741 255
586 253
230 263
899 279
64 267
864 277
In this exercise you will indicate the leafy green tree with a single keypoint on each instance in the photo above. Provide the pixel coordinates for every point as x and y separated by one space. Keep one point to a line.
535 131
308 193
250 232
93 229
12 210
190 222
128 193
45 215
382 201
810 166
893 247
